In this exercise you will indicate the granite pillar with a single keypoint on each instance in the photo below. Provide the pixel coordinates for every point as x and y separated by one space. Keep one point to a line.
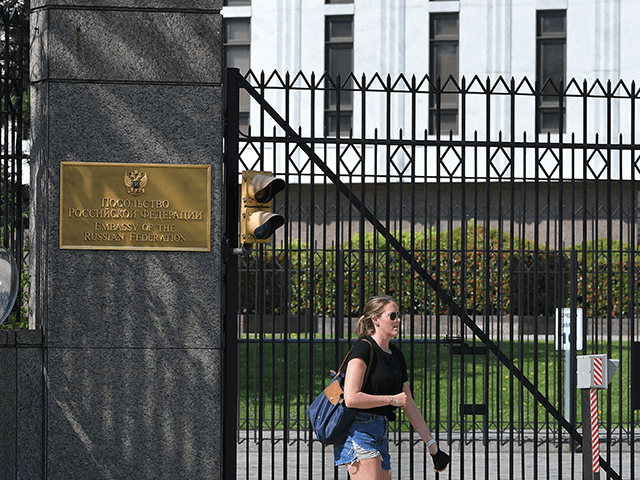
131 339
8 396
21 412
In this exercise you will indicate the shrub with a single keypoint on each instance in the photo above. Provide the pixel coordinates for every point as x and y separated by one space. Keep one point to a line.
483 270
606 272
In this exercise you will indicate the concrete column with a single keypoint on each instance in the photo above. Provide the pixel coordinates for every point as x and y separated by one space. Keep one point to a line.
132 339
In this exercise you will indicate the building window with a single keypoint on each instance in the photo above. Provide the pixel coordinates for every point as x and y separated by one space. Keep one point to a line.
236 3
337 1
443 63
551 61
237 53
338 107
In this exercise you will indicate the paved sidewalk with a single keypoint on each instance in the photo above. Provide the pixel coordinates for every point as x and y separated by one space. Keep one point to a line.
473 462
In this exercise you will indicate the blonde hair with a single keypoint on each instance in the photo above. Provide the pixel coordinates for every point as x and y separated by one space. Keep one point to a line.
374 307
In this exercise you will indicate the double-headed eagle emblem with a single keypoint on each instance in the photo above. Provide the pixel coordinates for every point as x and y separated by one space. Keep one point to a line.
135 182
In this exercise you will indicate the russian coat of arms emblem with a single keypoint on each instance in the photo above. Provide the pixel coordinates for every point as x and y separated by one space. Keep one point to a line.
135 182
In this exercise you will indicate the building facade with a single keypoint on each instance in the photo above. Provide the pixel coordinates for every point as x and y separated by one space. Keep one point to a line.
560 40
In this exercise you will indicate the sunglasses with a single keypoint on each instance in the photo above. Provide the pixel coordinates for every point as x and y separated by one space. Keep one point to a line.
394 316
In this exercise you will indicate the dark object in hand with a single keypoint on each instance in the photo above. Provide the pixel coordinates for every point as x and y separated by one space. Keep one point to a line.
440 460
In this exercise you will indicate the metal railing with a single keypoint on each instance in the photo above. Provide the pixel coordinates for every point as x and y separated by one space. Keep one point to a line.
14 114
480 236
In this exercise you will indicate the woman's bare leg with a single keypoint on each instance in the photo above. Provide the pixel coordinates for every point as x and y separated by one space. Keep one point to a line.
369 469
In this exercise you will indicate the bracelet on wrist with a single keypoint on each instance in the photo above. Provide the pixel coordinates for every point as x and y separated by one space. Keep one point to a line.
431 442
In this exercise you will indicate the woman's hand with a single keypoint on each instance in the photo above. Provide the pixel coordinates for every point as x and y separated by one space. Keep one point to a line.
440 460
398 400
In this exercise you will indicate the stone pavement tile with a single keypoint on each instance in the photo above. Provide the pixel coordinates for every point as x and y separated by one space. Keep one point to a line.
297 462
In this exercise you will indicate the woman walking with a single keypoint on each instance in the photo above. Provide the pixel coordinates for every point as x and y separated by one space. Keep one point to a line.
365 450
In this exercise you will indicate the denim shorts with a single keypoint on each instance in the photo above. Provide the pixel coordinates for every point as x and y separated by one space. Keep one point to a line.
367 438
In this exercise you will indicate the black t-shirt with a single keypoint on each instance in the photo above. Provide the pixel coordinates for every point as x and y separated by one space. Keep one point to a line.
387 374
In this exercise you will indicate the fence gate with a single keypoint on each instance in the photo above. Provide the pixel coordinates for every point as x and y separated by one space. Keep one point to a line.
486 221
14 127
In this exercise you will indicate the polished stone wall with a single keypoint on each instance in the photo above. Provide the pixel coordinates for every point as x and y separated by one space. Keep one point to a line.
21 405
132 365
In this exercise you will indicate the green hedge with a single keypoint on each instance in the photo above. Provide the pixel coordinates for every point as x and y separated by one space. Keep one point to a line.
608 275
485 271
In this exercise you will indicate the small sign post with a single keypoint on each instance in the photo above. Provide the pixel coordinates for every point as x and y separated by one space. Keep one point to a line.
563 329
563 342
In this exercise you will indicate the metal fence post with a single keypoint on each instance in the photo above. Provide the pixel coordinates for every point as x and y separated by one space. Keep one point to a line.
232 134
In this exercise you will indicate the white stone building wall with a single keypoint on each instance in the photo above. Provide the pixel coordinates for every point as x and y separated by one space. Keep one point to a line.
496 38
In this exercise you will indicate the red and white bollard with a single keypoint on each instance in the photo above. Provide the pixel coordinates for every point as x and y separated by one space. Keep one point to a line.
595 372
590 435
595 432
593 402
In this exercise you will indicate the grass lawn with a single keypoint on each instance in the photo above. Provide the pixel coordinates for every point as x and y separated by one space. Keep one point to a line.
278 380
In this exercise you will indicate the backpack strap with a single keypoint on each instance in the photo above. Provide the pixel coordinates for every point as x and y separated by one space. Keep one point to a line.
366 374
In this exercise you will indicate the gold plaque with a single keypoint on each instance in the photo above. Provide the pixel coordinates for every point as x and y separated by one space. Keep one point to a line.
125 206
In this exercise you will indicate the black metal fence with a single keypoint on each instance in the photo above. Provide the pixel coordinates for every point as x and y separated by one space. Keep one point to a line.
483 237
14 115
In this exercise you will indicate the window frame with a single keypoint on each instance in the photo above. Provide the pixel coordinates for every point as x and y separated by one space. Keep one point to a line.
545 105
245 99
346 95
446 108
